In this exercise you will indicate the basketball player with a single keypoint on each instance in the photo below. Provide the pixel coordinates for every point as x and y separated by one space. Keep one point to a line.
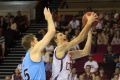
33 66
61 68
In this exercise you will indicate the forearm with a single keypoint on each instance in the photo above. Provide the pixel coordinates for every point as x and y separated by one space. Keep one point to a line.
51 25
84 32
87 47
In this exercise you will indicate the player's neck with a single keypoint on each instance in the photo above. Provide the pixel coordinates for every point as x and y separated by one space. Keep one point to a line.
61 43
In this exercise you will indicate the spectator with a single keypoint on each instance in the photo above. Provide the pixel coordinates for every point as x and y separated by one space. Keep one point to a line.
102 38
99 26
92 63
110 35
117 71
63 21
2 44
102 74
64 4
109 55
118 64
40 34
7 78
20 21
49 48
48 69
116 77
87 75
17 75
20 65
116 38
74 23
13 28
74 74
3 24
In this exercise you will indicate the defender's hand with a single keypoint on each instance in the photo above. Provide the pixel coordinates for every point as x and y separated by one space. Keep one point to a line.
47 14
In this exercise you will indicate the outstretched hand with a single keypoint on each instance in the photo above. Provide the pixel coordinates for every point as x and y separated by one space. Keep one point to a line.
47 13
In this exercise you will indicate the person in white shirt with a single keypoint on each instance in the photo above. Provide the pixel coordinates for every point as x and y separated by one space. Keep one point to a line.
92 63
74 23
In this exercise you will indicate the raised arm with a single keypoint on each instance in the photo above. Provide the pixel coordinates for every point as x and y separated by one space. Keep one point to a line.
86 51
38 48
83 33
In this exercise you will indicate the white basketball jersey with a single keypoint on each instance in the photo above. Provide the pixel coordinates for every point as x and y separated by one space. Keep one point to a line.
61 68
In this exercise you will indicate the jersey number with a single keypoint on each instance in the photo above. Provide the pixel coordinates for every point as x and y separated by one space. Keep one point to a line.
26 74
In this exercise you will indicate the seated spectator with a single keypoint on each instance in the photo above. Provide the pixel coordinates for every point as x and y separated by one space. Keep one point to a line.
110 35
19 19
64 4
40 34
7 78
116 38
92 63
87 75
102 74
3 23
74 74
14 29
99 26
2 44
116 77
102 38
117 71
48 69
17 75
74 23
109 55
20 65
49 48
118 63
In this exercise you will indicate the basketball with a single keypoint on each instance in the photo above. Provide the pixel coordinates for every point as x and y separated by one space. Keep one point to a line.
84 19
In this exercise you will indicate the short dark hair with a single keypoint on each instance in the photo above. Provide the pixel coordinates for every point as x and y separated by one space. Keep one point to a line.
26 41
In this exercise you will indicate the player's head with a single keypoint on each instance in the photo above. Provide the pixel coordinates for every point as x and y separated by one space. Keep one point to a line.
60 37
29 41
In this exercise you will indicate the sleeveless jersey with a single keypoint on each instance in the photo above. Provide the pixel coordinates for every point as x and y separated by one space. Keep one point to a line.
32 70
61 68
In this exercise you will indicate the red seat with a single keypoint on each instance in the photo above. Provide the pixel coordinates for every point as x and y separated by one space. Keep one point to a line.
98 57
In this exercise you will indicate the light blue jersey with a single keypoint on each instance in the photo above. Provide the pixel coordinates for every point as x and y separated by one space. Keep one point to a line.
32 70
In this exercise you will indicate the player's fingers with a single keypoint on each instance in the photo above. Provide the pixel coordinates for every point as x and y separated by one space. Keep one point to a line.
49 9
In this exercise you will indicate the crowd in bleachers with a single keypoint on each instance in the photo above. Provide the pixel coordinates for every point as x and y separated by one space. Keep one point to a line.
104 61
11 29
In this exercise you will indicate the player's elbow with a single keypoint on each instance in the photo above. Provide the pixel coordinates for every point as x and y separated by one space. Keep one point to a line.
86 52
